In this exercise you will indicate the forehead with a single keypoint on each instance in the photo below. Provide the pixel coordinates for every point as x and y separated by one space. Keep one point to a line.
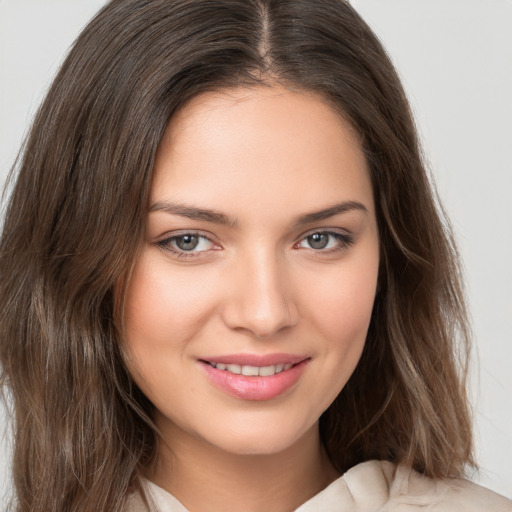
260 146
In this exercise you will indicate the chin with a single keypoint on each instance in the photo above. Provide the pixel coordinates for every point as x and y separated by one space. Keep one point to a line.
262 438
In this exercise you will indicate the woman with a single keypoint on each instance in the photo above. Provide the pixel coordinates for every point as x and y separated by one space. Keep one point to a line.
224 279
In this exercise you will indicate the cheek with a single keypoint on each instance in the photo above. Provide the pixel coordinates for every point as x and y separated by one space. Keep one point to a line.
341 302
340 307
164 309
336 318
163 305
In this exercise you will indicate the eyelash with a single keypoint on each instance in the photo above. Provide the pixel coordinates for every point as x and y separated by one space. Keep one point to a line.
344 240
166 245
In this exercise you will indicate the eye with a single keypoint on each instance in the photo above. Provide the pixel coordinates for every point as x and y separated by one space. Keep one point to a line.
326 241
187 244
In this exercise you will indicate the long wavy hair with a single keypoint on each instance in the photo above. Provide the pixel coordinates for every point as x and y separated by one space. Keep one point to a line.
75 220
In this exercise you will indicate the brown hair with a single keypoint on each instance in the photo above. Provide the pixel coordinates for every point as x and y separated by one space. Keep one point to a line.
76 219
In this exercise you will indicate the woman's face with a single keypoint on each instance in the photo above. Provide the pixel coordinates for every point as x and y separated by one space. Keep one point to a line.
249 305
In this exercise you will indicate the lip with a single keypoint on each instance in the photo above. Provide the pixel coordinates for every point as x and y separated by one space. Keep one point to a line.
256 359
255 388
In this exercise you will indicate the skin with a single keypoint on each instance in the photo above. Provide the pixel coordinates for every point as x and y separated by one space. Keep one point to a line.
263 157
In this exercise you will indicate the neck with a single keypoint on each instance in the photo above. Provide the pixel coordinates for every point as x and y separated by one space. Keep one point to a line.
204 477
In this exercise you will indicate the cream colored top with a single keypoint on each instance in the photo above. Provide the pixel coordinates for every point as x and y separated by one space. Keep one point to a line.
374 486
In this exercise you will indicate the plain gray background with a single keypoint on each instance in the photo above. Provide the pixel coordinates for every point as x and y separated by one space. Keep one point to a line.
455 59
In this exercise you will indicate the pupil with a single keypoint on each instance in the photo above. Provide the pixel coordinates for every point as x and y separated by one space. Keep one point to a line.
318 240
187 242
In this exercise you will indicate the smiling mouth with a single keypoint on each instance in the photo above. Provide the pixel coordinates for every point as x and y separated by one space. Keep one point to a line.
252 371
253 377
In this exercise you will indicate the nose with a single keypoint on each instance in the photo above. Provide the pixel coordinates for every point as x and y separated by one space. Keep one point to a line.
261 302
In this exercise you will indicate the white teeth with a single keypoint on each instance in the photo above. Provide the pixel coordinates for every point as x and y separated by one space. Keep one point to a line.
253 371
234 368
250 370
266 371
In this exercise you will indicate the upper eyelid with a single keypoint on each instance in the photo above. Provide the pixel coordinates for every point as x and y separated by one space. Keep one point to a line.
177 234
166 239
345 236
328 230
210 236
166 244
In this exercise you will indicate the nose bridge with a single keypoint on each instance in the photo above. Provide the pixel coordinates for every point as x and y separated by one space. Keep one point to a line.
262 302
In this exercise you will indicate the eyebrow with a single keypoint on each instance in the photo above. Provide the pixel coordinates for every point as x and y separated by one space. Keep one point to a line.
194 213
331 211
215 217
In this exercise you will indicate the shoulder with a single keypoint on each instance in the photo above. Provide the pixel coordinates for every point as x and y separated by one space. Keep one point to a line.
149 498
134 503
399 488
